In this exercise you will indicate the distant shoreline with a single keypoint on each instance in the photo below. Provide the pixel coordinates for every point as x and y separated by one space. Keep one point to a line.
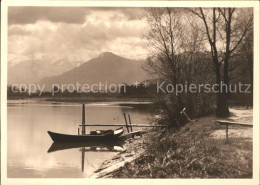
84 99
97 99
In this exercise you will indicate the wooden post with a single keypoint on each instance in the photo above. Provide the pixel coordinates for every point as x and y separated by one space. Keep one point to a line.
126 123
227 131
78 131
130 123
83 119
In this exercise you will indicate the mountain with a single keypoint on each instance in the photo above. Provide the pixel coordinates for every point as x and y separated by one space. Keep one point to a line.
32 71
106 68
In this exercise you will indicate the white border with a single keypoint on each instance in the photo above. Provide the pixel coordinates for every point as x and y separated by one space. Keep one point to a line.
28 181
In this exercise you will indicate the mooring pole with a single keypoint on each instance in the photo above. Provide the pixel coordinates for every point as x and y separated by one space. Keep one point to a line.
82 159
126 123
83 119
130 123
227 132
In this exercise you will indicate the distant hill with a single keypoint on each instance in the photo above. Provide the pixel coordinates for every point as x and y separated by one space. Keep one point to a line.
106 68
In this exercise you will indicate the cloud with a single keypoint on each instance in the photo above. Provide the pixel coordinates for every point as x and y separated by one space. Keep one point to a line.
75 15
30 15
55 40
17 30
132 13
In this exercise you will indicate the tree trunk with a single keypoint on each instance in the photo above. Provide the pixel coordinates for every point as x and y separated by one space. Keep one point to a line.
222 103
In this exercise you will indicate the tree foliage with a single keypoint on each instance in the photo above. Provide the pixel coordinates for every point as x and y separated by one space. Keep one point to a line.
188 49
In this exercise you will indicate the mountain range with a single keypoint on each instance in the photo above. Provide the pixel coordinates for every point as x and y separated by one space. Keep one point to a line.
106 68
32 71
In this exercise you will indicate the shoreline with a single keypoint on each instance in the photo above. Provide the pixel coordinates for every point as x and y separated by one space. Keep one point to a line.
133 148
91 99
85 99
198 150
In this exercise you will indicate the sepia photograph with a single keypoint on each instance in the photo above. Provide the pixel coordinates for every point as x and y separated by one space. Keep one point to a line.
128 91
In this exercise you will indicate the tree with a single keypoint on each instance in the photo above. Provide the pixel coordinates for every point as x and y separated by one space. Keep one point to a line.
241 69
55 89
175 59
164 40
246 51
224 32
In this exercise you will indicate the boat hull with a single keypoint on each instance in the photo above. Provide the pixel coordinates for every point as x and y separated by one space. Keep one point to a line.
58 137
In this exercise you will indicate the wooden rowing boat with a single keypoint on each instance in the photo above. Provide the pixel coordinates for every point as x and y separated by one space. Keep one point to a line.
103 136
96 136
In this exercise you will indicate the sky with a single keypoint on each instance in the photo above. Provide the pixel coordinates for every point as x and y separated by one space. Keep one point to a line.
76 33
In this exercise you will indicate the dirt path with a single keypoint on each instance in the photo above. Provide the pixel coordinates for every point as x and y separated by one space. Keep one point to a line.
239 115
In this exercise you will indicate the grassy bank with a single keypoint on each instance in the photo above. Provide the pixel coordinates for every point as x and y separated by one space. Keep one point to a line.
197 150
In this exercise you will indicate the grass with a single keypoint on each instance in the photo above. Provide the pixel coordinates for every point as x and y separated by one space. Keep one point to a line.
192 152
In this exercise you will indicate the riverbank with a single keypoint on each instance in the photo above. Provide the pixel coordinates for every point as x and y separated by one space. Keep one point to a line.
197 150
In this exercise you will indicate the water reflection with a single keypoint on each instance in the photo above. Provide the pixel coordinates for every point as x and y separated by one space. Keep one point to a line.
29 122
87 147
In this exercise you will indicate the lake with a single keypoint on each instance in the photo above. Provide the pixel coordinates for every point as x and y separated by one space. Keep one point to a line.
31 152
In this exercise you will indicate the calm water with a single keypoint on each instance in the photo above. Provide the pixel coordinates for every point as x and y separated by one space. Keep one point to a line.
28 141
